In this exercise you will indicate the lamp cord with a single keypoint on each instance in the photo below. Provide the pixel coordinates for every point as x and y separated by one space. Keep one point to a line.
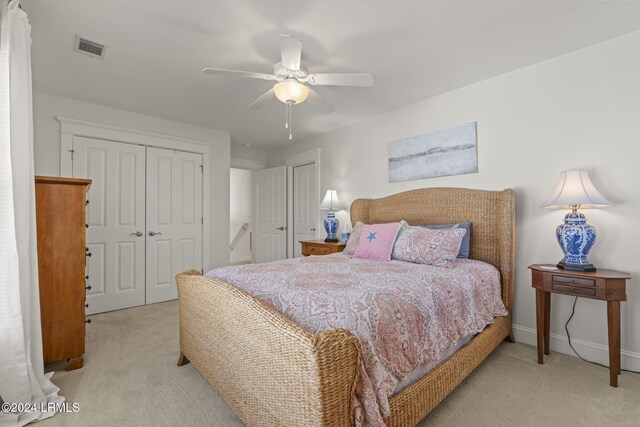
566 328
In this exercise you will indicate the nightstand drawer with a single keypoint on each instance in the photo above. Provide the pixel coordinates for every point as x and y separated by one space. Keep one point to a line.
574 290
320 247
317 250
565 280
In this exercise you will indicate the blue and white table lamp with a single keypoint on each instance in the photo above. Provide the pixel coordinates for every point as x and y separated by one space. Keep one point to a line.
331 203
576 191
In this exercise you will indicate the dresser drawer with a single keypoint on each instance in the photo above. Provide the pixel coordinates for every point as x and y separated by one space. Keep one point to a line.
565 280
316 250
573 290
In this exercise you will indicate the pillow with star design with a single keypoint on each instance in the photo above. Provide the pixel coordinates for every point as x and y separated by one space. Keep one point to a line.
376 241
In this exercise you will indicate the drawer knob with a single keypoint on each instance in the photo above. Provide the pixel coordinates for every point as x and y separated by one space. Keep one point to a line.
87 321
88 288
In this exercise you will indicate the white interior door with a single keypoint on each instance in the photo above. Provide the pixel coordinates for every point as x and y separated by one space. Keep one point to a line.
116 219
305 206
174 219
271 214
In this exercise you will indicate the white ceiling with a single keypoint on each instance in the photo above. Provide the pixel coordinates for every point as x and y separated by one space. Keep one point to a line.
414 49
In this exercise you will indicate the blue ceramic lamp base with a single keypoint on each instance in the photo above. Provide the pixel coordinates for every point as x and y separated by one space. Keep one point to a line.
331 224
576 238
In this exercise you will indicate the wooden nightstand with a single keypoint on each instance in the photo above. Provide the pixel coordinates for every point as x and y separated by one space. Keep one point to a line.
320 247
604 285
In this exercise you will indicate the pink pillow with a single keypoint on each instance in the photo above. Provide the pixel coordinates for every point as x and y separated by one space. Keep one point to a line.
376 241
354 239
421 245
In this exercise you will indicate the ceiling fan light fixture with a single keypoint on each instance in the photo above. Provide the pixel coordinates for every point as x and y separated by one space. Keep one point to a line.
290 91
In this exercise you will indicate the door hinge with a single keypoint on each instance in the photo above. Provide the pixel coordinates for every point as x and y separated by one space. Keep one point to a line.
202 270
202 168
202 220
72 151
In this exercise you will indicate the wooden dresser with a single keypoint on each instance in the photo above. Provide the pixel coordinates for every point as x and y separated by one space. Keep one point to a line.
61 218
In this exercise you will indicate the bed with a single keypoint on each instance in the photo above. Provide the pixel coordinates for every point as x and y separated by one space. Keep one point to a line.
271 371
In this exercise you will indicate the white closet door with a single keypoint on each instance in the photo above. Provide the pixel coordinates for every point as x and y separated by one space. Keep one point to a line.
271 214
174 219
305 206
116 219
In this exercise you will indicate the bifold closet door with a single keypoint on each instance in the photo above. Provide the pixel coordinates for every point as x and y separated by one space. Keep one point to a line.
174 220
116 222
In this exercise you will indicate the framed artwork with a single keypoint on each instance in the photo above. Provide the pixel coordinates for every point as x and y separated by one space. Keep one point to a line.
452 151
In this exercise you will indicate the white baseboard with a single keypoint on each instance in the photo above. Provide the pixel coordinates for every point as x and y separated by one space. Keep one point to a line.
590 351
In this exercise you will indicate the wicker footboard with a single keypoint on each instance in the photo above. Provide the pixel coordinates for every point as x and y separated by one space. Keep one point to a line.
270 371
273 373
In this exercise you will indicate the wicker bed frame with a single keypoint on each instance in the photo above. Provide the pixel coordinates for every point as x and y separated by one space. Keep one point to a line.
273 373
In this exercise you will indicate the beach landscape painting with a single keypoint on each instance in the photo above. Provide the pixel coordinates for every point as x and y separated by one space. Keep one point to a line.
446 152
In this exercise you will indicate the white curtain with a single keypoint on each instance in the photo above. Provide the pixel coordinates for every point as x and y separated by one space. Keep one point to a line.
22 378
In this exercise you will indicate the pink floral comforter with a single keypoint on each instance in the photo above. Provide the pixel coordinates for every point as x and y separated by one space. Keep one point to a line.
404 314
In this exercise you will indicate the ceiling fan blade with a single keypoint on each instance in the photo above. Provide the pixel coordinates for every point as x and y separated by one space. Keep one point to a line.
341 79
290 51
234 73
322 104
267 97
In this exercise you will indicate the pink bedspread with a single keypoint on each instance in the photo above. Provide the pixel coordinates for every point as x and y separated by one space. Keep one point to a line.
404 314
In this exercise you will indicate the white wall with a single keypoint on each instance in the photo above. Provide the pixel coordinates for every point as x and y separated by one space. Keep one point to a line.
47 153
240 212
580 110
248 153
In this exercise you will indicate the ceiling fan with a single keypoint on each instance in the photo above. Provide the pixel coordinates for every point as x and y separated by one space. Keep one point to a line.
293 82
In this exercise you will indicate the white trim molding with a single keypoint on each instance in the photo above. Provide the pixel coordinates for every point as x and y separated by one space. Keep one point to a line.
300 159
589 350
253 165
133 136
70 128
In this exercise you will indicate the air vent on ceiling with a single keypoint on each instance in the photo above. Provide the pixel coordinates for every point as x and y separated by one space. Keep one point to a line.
87 47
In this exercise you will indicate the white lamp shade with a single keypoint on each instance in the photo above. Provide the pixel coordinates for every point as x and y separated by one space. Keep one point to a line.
575 188
291 91
331 202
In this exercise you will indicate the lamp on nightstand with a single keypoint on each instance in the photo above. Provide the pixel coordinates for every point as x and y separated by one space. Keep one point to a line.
576 191
331 203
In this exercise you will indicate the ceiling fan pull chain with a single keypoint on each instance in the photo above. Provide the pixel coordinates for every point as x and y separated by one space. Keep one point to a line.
286 116
290 122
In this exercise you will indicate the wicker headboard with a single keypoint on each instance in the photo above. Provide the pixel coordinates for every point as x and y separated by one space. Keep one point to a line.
492 214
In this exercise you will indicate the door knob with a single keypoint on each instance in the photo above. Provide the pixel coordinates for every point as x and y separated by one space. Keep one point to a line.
281 228
137 233
154 233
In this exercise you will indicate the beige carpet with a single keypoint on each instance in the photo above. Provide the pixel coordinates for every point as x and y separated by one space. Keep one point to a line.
130 378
